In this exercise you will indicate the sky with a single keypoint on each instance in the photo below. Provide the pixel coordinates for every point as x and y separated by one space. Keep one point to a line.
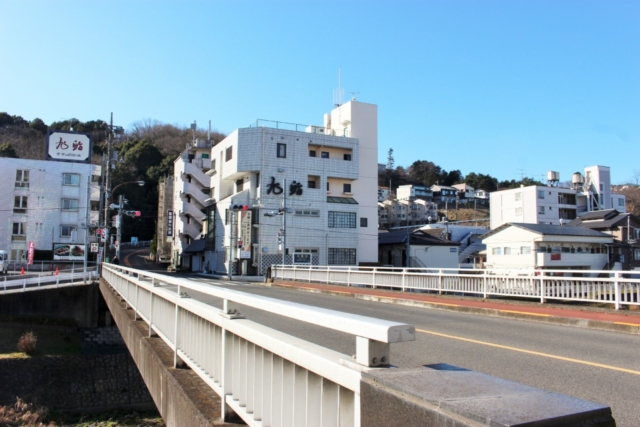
507 88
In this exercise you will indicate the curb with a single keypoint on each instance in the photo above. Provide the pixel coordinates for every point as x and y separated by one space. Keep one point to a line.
510 314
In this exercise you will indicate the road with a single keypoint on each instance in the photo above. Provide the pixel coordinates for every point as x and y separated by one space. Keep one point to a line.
594 365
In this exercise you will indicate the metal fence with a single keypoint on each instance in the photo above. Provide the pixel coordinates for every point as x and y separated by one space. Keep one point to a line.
619 288
265 376
33 281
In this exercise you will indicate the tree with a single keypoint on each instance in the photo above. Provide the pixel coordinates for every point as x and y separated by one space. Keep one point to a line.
423 172
481 181
38 125
7 150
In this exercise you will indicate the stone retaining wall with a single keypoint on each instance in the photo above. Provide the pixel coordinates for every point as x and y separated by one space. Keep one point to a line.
86 382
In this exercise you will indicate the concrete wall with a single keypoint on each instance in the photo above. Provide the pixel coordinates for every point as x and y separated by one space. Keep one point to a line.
80 303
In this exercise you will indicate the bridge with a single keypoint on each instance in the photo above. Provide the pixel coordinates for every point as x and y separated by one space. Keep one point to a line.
261 376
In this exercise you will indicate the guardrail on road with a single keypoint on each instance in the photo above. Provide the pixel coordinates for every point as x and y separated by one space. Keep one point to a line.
618 287
265 376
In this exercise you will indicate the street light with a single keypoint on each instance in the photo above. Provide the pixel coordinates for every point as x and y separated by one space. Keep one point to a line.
120 207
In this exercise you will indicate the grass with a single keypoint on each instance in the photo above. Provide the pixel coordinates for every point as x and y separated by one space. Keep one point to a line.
52 341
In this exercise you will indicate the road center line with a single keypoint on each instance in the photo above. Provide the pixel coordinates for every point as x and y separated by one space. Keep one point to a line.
535 353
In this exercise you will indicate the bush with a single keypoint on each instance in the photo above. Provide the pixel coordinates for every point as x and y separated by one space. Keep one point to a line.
27 343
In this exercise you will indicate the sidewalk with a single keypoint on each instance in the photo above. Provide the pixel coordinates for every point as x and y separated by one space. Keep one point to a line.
567 314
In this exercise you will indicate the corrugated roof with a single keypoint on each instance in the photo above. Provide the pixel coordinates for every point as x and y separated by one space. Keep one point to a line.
418 237
550 230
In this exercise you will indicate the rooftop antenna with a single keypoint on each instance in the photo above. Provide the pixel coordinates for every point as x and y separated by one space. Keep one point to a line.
338 94
353 95
209 133
521 174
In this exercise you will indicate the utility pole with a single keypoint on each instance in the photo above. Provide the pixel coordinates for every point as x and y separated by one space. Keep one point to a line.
284 222
86 225
107 189
119 226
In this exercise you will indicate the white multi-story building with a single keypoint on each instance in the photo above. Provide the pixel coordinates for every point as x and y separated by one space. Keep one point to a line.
553 204
413 192
313 187
50 203
191 190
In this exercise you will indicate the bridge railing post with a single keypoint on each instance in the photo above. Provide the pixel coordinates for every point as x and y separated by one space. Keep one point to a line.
372 353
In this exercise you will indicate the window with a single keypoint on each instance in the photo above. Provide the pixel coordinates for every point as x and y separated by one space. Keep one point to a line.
524 250
517 197
282 150
20 205
95 178
303 255
228 154
95 205
347 157
66 230
324 154
621 202
636 254
22 178
346 188
69 204
507 251
19 231
540 194
311 184
327 186
342 256
307 212
70 179
518 211
541 210
496 251
364 222
312 153
342 219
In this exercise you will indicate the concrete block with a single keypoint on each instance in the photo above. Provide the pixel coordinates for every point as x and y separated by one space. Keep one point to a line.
454 397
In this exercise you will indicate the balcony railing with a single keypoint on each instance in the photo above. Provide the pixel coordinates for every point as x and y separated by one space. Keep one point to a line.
261 123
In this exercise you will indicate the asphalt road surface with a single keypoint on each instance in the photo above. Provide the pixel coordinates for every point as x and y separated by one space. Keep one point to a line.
594 365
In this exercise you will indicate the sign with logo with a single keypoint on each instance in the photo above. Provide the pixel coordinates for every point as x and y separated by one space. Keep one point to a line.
69 147
94 248
169 224
245 231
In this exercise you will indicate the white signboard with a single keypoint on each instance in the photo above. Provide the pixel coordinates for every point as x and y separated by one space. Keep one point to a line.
68 146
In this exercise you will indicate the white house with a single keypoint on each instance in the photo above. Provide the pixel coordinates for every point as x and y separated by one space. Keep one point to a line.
553 204
53 204
542 246
307 191
424 250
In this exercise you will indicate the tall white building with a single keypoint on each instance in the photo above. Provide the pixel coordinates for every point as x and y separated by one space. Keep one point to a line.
49 203
553 204
313 187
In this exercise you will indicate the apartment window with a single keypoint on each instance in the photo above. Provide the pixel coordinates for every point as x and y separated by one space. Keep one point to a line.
19 231
541 210
66 230
312 153
22 178
324 154
95 178
282 150
95 205
621 202
307 212
364 222
518 211
342 256
70 179
20 205
69 204
496 251
540 194
311 184
507 251
636 254
347 157
524 250
517 197
342 219
213 165
346 188
228 154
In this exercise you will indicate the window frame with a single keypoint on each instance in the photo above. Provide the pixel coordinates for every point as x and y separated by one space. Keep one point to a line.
22 178
69 203
346 188
68 227
66 175
281 150
20 204
336 255
324 155
340 219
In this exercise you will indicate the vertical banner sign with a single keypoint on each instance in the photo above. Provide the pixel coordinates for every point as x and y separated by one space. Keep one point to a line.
31 251
169 224
245 234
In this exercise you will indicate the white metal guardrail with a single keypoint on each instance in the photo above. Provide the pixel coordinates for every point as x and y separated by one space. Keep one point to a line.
616 287
38 281
267 377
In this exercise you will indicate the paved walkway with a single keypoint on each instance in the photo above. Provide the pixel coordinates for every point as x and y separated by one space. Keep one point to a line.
571 313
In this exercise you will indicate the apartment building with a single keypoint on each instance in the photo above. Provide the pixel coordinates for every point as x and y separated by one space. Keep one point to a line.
54 204
190 186
553 204
414 192
397 213
281 192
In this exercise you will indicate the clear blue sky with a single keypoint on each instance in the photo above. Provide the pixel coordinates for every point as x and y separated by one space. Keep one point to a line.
497 87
